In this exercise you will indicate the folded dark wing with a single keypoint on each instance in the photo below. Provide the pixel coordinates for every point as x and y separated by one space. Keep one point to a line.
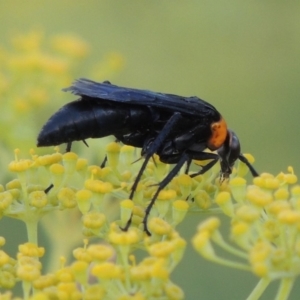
109 92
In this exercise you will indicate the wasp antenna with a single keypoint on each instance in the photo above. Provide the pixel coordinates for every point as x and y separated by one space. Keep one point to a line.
84 141
243 159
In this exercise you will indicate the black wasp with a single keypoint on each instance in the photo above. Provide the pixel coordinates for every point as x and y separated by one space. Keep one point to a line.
178 129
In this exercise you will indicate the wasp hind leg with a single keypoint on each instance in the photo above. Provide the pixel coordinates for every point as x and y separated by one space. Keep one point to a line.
148 153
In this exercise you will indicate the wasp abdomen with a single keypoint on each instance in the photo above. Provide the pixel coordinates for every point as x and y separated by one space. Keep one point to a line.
89 118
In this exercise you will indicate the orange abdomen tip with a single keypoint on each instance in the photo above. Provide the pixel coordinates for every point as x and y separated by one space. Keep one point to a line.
218 134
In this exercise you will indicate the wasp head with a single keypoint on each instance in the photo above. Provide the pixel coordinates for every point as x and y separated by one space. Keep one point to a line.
228 154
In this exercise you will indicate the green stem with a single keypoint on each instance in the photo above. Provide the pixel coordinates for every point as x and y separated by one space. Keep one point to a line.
259 289
26 289
229 263
218 239
285 288
31 227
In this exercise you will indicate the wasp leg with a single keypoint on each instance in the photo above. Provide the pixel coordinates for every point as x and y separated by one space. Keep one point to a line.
204 156
103 162
48 189
84 141
184 158
188 164
205 168
156 144
69 146
243 159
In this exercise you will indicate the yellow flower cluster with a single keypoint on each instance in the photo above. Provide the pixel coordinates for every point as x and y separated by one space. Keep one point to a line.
55 182
265 226
33 70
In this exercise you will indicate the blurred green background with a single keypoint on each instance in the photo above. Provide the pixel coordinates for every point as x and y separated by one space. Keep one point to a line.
242 56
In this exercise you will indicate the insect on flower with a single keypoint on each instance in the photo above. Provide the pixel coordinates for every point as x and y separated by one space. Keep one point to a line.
178 129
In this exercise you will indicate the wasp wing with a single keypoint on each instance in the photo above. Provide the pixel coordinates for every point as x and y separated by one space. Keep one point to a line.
109 92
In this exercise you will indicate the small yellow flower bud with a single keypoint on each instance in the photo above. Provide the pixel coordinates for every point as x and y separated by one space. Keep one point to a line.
161 249
68 290
64 275
20 166
160 271
6 199
38 199
32 250
98 186
166 195
163 201
28 272
159 226
93 220
259 197
296 191
44 281
79 270
2 241
100 252
67 198
174 292
126 207
291 178
224 200
185 184
94 292
271 230
242 168
47 160
113 150
238 188
209 225
260 269
107 271
239 228
81 164
83 198
128 237
278 206
57 169
70 156
289 217
203 200
7 281
4 258
13 184
281 194
70 162
201 242
71 46
247 213
81 254
127 154
180 208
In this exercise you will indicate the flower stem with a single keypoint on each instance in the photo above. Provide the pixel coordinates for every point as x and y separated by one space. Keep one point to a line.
285 288
259 289
31 227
